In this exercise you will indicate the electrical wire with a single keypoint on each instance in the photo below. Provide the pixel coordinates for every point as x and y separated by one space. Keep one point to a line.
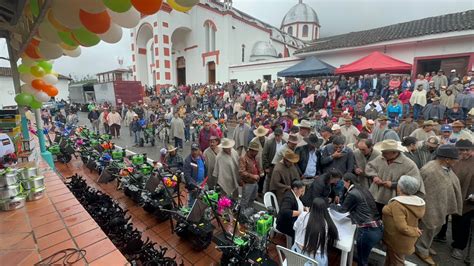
63 257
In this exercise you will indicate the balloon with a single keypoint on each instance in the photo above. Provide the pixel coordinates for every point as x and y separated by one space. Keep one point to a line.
50 79
49 50
27 78
118 6
47 66
32 52
85 37
37 71
42 96
48 32
96 23
34 7
55 23
67 47
92 6
73 53
38 84
66 13
147 7
51 90
66 37
35 104
185 3
23 99
177 7
113 35
129 19
23 68
26 88
27 62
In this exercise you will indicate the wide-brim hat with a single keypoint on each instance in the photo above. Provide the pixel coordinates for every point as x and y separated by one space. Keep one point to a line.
457 123
305 124
335 127
447 151
389 145
227 143
464 144
293 138
291 156
382 118
171 148
313 140
260 131
348 119
254 146
429 123
432 142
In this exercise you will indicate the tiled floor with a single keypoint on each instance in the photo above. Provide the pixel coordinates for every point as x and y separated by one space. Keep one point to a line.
51 224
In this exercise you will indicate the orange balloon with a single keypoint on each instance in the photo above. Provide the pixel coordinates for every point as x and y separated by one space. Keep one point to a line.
38 84
96 23
50 90
147 7
35 42
32 52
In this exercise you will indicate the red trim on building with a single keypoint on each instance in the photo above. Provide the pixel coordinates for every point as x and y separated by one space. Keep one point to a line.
167 75
133 58
190 47
155 24
157 75
157 63
166 51
156 38
209 54
167 64
133 47
142 51
166 8
211 24
157 51
166 39
470 63
165 24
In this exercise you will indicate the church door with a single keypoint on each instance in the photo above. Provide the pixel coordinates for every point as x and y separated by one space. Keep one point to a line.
211 67
181 70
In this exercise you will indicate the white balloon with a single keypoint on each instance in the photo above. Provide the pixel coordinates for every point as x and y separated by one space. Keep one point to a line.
92 6
113 35
66 13
50 79
27 78
73 53
49 50
129 19
41 96
48 32
26 88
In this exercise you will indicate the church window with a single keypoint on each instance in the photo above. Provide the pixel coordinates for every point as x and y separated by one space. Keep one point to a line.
243 53
210 36
305 31
290 30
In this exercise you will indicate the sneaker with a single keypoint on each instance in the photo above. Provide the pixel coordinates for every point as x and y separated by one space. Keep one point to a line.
427 259
440 239
457 254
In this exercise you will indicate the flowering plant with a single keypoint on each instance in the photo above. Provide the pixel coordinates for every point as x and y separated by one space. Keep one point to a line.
223 203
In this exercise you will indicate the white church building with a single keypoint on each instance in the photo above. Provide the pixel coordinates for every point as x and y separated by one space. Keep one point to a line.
215 42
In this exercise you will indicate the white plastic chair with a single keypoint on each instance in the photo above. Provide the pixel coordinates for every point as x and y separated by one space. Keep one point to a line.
293 258
270 200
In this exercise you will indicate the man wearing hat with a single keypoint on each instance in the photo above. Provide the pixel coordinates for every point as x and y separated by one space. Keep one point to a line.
260 139
270 148
418 100
226 168
337 155
290 145
363 154
434 109
205 135
443 197
349 131
241 135
456 87
383 132
310 157
250 172
195 172
462 223
460 133
426 131
173 159
210 159
427 151
445 137
440 80
386 169
372 112
305 129
407 127
284 173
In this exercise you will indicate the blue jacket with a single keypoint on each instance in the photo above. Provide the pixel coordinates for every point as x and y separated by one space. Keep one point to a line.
398 109
190 170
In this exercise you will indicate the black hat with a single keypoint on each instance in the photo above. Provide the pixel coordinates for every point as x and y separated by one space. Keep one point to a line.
464 144
447 151
407 141
326 129
313 140
195 146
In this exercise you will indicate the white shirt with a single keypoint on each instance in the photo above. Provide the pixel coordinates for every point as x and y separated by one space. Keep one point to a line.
310 170
279 145
300 203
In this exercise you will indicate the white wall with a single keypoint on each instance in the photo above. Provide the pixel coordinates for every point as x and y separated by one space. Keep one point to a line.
254 71
63 88
105 92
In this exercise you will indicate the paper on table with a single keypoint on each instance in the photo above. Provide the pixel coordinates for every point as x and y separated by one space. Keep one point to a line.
337 216
344 228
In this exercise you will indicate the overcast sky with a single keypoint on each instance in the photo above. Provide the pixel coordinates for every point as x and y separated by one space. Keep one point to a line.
335 16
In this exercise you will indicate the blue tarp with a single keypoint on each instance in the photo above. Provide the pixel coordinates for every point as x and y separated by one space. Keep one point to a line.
309 67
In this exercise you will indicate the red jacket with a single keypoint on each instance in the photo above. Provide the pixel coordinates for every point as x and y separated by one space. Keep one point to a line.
405 96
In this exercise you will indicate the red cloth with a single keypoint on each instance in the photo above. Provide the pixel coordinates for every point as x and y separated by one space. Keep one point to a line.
373 63
405 96
289 92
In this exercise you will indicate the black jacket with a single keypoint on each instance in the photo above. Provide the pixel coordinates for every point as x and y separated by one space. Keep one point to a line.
320 188
360 204
303 152
285 219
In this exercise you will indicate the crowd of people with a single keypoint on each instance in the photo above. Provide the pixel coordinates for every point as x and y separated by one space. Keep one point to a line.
394 153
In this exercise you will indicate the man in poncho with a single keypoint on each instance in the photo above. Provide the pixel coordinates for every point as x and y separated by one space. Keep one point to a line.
226 168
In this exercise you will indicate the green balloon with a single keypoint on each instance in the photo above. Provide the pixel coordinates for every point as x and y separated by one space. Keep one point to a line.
35 104
23 68
118 6
23 99
85 37
66 37
47 66
35 8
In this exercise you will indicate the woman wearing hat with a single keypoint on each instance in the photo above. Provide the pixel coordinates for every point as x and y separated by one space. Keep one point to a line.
443 197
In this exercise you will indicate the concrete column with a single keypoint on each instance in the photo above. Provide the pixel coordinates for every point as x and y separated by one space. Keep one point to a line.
47 156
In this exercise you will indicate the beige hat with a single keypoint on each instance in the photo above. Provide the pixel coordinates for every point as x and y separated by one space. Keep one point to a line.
261 131
348 119
335 127
254 146
293 138
433 141
291 156
457 123
305 124
429 123
371 122
227 143
390 145
171 148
